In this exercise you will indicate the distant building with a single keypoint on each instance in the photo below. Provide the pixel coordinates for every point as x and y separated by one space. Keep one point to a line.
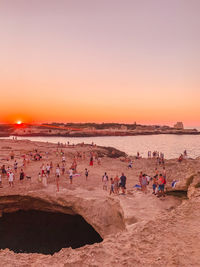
124 127
179 125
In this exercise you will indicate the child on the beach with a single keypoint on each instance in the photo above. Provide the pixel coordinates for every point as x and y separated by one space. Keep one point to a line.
116 184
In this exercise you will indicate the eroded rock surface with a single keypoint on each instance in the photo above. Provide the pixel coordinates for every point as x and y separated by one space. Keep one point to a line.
137 229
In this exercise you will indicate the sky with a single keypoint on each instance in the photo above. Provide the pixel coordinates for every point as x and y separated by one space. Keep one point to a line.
100 61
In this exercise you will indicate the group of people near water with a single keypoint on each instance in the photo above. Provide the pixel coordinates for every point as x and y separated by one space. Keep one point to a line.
115 184
158 182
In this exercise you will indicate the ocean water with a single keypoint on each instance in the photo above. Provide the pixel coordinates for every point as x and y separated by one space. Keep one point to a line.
170 145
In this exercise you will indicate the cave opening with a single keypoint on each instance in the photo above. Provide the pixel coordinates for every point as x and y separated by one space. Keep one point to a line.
43 232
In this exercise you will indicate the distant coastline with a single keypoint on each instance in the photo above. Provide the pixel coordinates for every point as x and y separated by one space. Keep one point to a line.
92 130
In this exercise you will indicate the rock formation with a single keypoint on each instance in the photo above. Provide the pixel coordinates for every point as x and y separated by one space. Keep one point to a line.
137 229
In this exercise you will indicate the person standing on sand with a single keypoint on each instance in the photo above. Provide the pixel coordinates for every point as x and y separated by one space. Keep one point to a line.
43 169
3 170
111 186
21 175
161 188
144 183
63 158
15 166
10 178
12 155
140 179
123 183
70 175
57 177
44 180
116 184
0 181
51 165
155 184
86 173
156 171
48 168
63 169
105 181
99 161
91 161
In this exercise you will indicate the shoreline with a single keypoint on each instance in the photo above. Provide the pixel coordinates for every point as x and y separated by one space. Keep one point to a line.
99 134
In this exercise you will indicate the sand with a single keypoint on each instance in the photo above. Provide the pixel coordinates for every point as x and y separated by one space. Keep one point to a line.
138 229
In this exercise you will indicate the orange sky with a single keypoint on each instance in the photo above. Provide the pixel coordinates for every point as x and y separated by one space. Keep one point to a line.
108 61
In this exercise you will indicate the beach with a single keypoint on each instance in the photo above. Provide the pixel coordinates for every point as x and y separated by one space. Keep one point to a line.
137 229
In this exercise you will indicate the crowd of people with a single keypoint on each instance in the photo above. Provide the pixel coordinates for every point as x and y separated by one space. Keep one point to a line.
116 185
158 182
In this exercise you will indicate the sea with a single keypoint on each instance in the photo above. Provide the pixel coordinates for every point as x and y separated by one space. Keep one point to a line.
171 145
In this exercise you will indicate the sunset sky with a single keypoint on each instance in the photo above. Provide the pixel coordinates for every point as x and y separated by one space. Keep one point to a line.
100 61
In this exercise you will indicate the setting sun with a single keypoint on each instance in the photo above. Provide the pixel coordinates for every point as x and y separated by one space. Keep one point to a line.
19 122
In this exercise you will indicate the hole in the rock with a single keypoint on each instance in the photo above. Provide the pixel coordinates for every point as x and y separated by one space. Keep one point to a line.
178 193
44 232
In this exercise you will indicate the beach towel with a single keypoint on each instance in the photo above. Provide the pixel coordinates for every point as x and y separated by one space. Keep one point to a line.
137 186
174 183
